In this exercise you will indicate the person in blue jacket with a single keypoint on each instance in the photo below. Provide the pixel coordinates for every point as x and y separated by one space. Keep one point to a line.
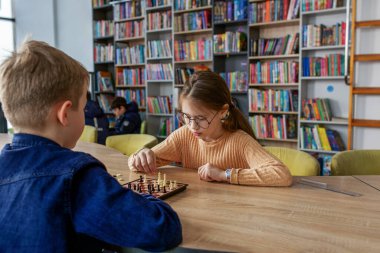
94 116
128 119
54 199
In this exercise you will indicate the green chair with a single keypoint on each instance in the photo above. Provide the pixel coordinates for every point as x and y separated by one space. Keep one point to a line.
130 143
298 162
143 127
356 162
89 134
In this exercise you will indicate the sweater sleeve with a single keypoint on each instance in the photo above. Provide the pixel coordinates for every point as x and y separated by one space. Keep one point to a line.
166 152
104 210
264 169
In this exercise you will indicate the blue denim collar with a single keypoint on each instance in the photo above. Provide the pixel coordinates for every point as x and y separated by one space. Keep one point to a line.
25 140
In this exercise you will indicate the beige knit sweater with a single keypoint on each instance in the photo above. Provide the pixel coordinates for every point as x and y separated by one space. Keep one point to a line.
250 164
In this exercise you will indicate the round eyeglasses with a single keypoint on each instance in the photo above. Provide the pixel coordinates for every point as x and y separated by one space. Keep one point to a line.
200 122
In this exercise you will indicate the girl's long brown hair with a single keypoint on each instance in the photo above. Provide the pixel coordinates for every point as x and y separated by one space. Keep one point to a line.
211 90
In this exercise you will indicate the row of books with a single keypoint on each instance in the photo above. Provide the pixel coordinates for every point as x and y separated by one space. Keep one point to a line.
314 5
319 138
330 65
236 81
273 10
159 48
159 20
276 127
103 28
129 29
190 4
193 50
100 3
130 76
320 35
159 105
128 9
316 109
105 101
159 71
182 74
230 42
104 81
137 95
274 72
157 3
230 10
324 164
103 52
130 55
166 127
286 45
192 21
271 100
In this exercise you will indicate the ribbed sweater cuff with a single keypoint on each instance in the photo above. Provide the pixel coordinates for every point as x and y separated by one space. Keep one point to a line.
234 176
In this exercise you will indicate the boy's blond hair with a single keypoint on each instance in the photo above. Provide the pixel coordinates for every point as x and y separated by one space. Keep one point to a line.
35 78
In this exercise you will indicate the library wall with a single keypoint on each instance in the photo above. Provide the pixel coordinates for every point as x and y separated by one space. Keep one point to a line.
368 75
74 30
34 18
66 25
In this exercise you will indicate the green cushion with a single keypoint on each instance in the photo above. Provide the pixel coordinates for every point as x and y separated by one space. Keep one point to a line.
298 162
130 143
89 134
356 162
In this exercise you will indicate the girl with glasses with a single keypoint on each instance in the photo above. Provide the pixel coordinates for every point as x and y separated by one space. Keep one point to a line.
216 139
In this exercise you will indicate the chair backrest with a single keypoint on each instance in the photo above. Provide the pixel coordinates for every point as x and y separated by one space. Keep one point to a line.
89 134
143 127
356 162
298 162
130 143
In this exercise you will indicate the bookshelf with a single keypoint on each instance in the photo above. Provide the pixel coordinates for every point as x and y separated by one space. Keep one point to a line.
171 39
192 37
230 48
159 63
129 21
103 39
273 63
324 96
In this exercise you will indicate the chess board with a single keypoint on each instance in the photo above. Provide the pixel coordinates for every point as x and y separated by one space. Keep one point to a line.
150 186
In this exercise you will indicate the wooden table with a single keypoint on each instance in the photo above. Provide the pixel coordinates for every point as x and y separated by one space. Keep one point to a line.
370 180
267 219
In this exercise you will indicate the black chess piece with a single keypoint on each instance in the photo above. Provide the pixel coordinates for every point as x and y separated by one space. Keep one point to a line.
164 189
141 179
158 188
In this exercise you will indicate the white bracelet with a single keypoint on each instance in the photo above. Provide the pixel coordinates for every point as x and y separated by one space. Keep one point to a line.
228 174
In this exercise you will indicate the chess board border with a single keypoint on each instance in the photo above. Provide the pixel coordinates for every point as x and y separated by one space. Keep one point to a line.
166 195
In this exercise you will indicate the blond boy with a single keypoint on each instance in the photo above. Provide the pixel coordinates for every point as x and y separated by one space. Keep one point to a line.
55 199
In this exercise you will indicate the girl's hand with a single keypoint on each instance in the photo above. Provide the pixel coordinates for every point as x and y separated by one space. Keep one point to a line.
209 172
145 161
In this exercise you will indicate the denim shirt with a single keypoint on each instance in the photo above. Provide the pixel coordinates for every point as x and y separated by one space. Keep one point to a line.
50 196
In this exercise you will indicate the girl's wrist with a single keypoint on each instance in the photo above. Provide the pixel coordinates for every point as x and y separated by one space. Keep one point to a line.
227 173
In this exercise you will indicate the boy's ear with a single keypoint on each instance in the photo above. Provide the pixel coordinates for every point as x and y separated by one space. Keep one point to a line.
62 112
